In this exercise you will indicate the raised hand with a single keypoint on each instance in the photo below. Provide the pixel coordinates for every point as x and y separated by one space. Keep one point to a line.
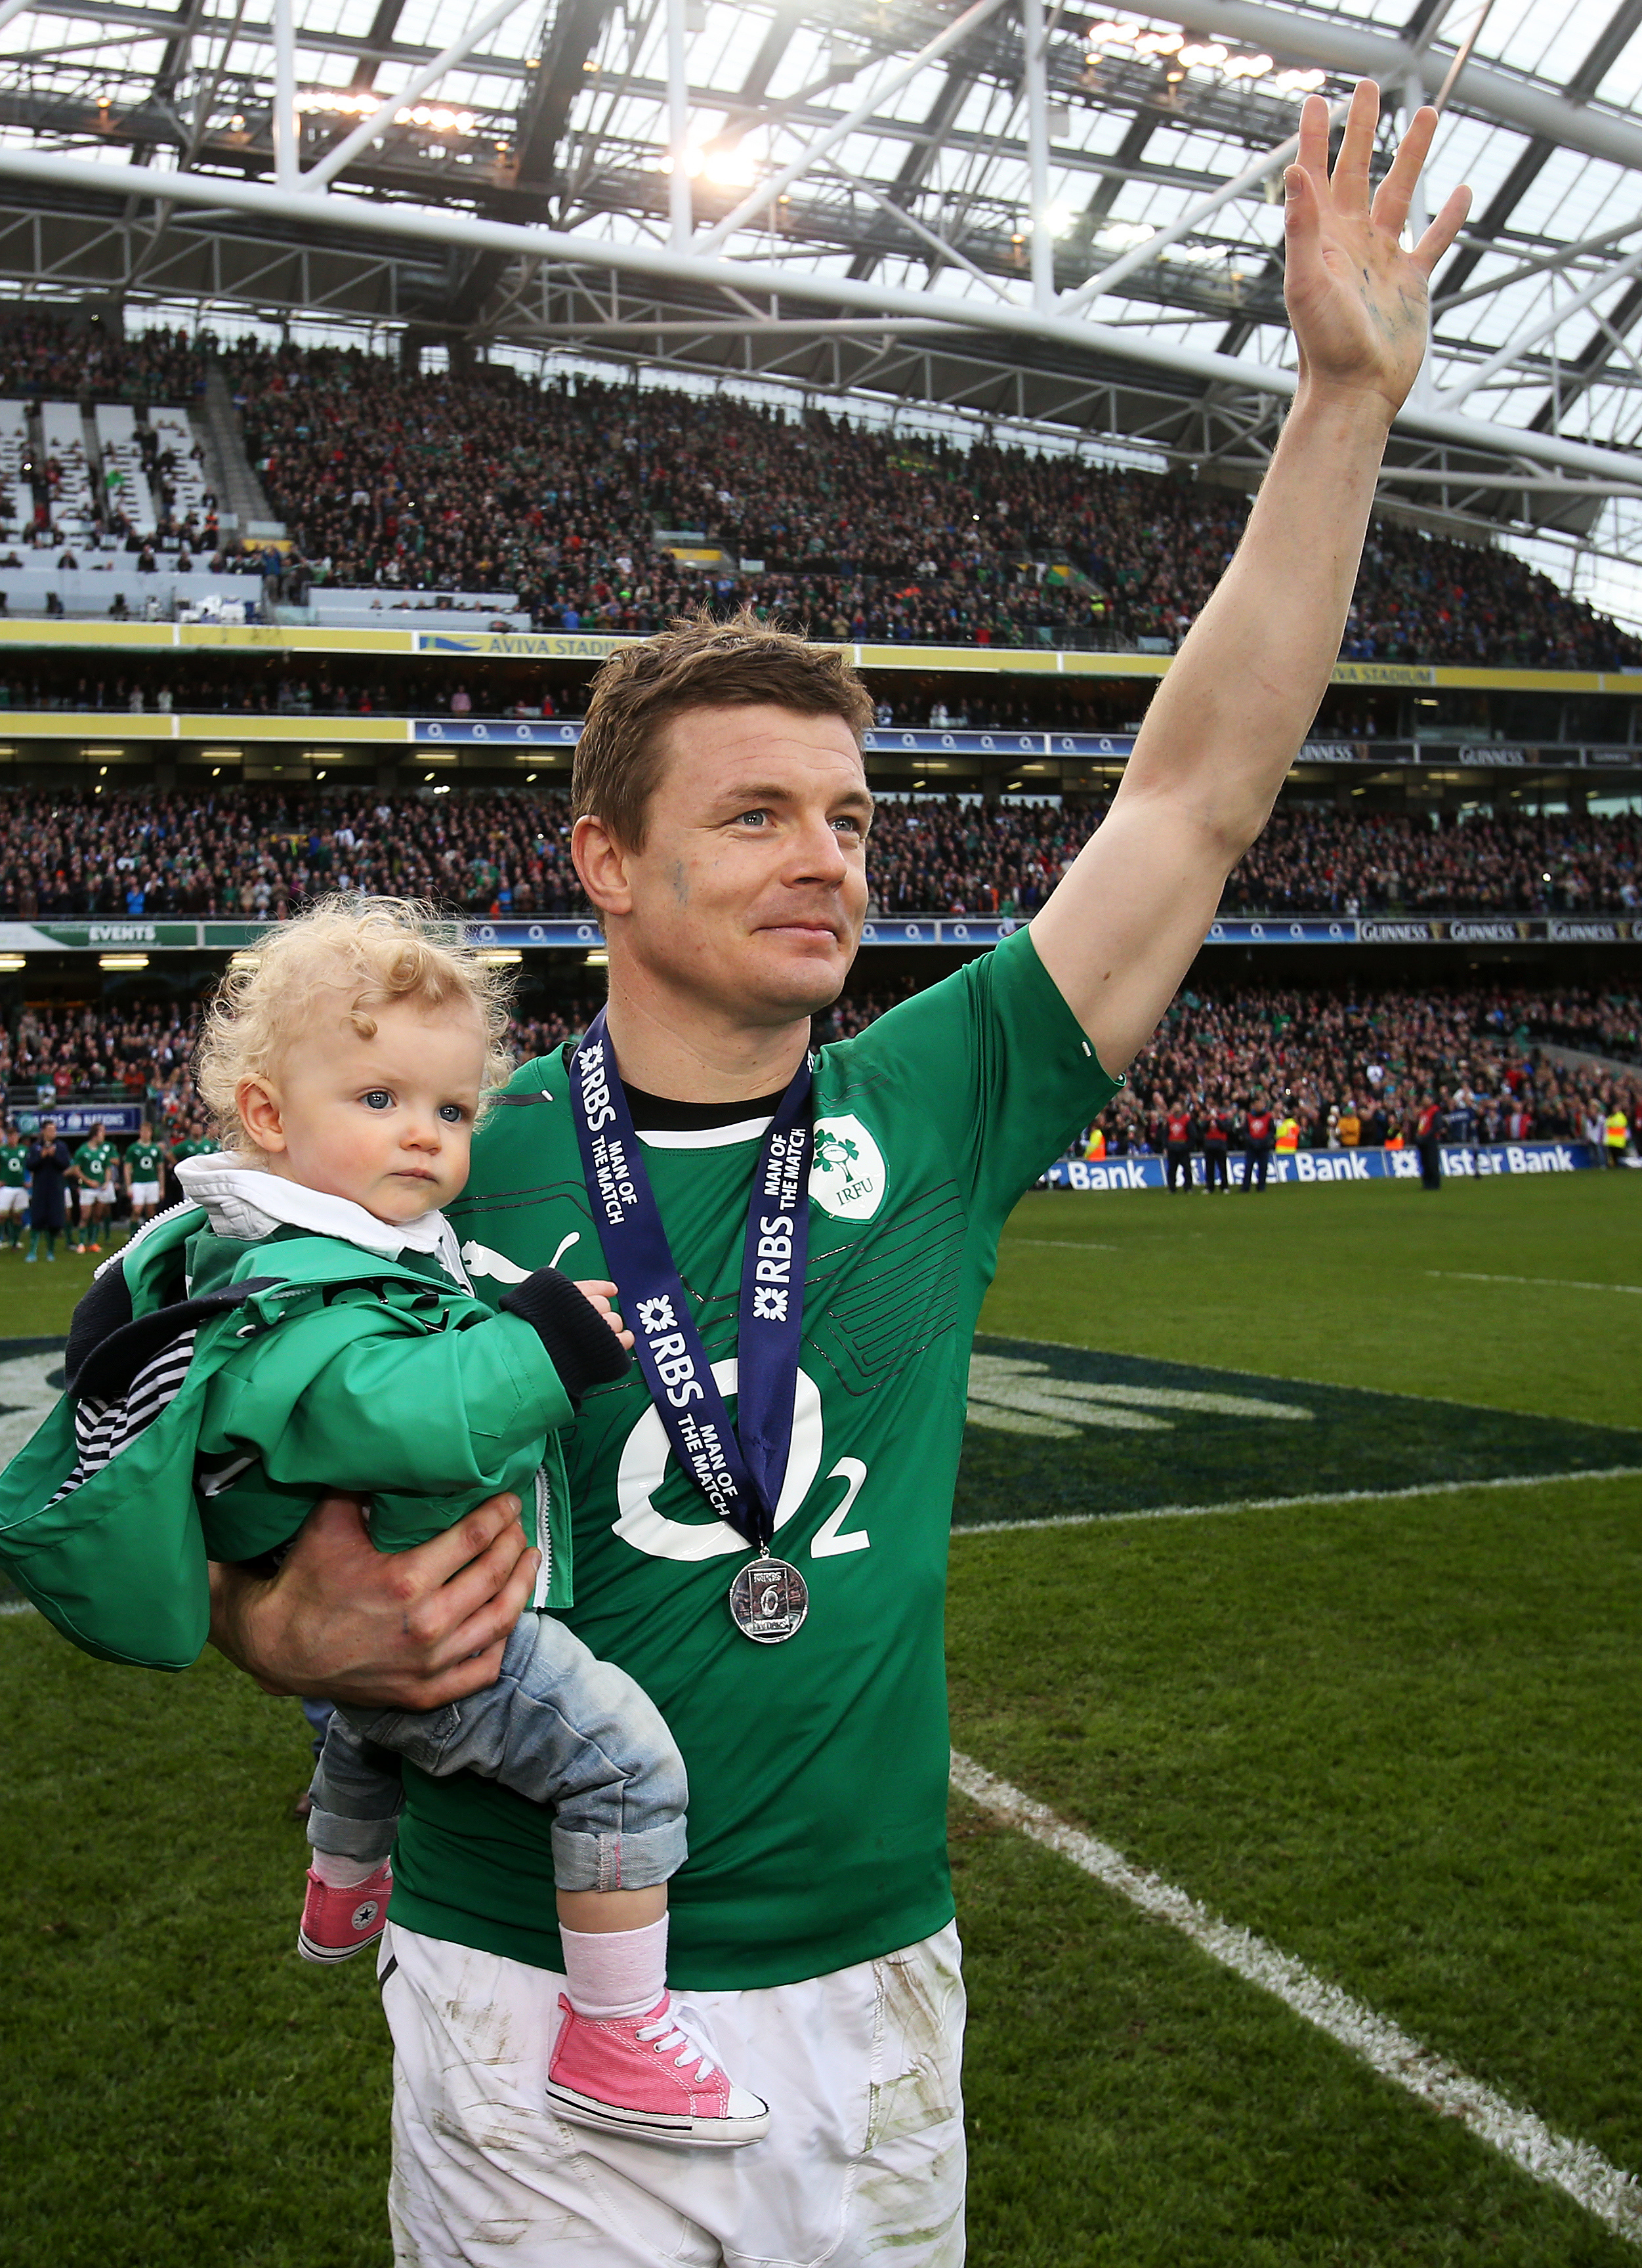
1356 299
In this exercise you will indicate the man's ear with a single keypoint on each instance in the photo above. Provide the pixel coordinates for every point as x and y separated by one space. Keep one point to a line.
601 861
258 1104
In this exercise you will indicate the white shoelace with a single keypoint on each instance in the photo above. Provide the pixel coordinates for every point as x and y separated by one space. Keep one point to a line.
672 2032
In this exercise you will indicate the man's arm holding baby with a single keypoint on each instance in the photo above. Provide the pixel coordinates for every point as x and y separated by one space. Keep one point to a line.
409 1630
344 1621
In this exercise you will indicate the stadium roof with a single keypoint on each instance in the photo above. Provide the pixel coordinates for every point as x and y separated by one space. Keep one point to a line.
1032 209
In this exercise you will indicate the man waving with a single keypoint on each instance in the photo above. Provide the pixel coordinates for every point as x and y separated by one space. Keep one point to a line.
803 1246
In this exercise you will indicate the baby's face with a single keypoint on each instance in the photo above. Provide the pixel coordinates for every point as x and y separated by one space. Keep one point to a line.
386 1122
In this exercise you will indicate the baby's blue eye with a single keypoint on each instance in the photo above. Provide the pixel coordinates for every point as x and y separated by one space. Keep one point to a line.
378 1099
452 1113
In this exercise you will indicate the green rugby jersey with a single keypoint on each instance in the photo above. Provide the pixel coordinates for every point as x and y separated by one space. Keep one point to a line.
13 1165
96 1162
144 1161
817 1768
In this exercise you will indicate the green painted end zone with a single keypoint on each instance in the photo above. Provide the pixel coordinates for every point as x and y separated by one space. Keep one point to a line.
1058 1431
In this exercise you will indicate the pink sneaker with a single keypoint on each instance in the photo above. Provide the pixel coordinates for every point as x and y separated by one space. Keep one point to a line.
650 2076
338 1924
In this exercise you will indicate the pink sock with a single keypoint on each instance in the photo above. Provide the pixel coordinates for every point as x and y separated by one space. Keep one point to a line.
615 1972
339 1874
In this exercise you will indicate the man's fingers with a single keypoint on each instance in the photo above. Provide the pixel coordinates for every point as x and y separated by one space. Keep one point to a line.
480 1603
1302 224
1395 193
1443 230
435 1562
464 1677
486 1629
1351 168
1313 153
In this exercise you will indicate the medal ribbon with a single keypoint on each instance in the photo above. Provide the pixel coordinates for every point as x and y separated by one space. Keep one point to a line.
739 1467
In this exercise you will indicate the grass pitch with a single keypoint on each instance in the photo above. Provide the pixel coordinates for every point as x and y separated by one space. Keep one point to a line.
1395 1737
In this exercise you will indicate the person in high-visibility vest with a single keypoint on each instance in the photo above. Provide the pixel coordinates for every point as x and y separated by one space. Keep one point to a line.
1094 1148
1288 1135
1615 1136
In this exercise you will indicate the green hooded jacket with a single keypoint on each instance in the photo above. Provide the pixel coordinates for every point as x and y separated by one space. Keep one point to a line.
315 1365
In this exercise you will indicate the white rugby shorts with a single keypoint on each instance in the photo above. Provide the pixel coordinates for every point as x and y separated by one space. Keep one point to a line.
103 1195
864 2162
145 1193
12 1200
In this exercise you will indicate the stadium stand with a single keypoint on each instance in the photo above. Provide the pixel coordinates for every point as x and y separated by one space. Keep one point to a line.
604 508
247 853
73 506
43 356
1506 1063
16 494
494 482
125 476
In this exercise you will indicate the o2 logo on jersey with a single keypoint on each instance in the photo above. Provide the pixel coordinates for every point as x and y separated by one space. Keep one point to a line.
847 1178
647 1459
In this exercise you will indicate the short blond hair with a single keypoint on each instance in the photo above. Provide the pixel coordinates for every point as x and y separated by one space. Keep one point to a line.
369 953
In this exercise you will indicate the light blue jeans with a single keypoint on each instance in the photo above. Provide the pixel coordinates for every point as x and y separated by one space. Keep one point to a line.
559 1726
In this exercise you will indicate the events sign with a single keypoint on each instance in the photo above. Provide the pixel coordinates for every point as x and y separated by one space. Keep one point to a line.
970 931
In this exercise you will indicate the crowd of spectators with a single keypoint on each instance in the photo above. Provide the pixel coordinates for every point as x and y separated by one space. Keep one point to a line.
252 853
564 492
1311 859
202 684
135 1052
559 493
493 483
1495 1063
1377 1056
47 357
1499 1062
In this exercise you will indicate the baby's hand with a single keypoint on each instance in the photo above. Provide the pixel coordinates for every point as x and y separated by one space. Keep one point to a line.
600 1294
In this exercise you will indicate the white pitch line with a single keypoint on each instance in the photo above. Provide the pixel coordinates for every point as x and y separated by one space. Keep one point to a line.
16 1607
1283 1503
1551 1282
1582 2172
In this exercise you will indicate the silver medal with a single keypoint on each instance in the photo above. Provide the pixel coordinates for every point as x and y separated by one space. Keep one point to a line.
768 1600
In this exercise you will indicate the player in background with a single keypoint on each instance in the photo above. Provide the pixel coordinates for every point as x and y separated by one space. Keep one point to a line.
192 1142
144 1168
13 1189
96 1162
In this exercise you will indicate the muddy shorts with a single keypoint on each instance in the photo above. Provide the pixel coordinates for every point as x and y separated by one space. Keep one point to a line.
863 2161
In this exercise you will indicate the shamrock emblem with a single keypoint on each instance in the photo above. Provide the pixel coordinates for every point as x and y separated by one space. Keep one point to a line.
832 1150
